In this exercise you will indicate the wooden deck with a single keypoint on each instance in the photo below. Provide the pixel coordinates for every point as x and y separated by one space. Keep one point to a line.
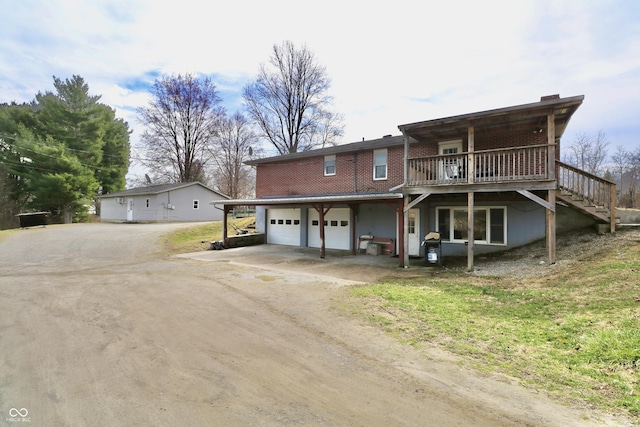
521 169
506 169
489 166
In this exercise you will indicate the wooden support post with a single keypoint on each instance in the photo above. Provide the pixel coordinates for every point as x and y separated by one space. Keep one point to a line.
225 229
403 254
404 215
612 209
321 213
551 228
406 159
470 230
551 140
471 164
320 209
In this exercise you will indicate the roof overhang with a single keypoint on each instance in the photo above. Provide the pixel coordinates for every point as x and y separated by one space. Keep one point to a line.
384 142
312 200
527 116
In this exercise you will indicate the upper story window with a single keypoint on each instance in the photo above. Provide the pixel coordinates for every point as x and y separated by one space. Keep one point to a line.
380 164
196 204
329 165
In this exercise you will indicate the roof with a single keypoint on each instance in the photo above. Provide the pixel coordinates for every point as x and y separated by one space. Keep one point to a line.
532 115
306 200
372 144
157 189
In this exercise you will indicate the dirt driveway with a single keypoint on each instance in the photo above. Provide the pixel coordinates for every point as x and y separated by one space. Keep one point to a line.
99 328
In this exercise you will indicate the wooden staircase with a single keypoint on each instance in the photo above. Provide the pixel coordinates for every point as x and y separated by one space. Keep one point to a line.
587 193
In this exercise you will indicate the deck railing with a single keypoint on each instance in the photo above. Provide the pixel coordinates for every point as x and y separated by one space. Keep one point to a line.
592 189
499 165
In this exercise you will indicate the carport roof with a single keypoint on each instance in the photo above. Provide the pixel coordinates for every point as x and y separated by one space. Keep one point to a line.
309 200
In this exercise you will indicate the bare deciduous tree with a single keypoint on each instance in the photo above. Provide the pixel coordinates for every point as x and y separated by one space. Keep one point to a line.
634 178
233 146
589 152
621 160
289 102
181 121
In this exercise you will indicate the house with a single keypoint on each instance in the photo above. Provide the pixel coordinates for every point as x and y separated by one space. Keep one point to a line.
189 201
495 175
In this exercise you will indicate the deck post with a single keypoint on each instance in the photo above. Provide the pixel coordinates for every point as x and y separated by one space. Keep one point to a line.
551 140
404 231
612 208
551 227
320 209
470 231
406 160
471 164
225 229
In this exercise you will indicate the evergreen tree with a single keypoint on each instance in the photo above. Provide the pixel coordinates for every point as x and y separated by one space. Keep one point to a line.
56 180
56 152
13 192
114 165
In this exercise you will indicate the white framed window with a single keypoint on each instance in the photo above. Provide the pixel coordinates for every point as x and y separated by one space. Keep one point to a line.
147 203
196 204
490 224
329 165
380 164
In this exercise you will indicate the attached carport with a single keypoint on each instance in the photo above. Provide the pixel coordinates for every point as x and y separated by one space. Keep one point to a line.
322 206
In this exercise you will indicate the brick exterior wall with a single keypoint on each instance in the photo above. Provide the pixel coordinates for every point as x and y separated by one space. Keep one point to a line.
354 174
354 171
483 141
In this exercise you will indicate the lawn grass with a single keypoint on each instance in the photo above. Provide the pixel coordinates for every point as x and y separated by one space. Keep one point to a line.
575 334
5 233
189 239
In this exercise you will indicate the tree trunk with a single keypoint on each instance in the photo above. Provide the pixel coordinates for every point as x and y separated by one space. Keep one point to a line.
68 215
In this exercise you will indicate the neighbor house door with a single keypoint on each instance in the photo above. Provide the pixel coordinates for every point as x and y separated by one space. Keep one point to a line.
129 209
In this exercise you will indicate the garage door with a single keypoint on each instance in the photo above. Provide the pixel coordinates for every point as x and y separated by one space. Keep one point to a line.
283 226
337 228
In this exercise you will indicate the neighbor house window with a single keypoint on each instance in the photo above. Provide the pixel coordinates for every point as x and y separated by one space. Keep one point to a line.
196 204
329 165
489 224
147 203
380 164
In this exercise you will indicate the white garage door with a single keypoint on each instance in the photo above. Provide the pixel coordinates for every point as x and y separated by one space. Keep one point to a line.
337 230
283 226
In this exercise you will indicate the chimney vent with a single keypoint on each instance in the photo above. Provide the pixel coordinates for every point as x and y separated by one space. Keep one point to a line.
549 97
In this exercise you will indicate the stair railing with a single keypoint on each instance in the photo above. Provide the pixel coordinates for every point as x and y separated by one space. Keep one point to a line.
592 189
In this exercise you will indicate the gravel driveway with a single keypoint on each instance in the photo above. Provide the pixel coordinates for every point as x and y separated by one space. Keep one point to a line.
99 328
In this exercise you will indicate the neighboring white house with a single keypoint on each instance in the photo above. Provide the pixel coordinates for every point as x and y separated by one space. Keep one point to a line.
190 201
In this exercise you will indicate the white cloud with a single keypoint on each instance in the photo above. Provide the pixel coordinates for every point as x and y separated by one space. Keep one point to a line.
404 62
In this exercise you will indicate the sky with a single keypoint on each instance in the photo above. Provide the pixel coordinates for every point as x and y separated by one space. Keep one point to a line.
390 63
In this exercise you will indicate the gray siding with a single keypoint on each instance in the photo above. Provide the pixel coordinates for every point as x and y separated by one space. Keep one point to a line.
376 219
169 206
526 223
111 210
